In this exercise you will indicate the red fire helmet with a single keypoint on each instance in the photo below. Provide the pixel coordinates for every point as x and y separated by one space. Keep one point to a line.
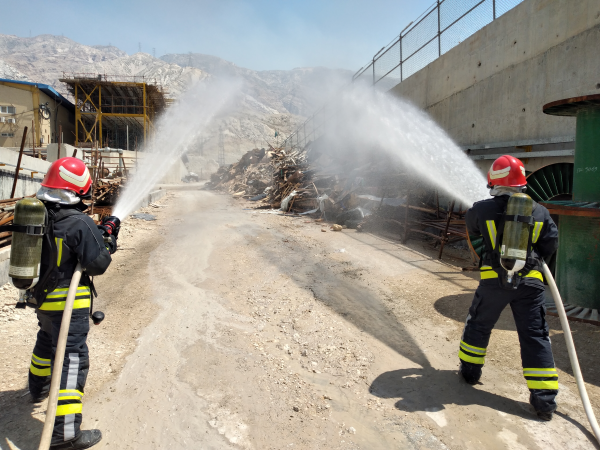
68 173
507 171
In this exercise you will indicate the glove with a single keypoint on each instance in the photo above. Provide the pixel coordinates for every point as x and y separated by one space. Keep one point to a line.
111 226
111 244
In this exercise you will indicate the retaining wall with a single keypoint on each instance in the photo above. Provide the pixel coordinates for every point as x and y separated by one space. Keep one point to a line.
491 87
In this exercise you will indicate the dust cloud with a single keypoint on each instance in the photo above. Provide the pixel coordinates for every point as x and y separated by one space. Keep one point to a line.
364 121
176 132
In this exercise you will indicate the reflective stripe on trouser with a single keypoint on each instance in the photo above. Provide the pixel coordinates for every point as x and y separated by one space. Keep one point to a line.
40 367
541 378
528 308
74 371
55 300
470 353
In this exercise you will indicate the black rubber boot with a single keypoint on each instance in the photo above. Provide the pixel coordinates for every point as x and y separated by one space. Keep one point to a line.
544 402
546 416
470 372
87 439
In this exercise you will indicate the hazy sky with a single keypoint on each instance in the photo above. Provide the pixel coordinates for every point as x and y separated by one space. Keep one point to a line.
258 34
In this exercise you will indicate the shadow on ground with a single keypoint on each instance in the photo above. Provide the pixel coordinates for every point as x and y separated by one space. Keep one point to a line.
17 424
427 390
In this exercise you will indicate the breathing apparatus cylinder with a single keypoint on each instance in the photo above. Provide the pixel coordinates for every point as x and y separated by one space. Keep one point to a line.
26 249
515 240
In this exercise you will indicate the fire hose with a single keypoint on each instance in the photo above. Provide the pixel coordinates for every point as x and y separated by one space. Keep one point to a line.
59 360
587 406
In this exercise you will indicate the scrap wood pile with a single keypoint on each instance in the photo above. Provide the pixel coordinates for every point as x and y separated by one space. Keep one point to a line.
376 196
106 191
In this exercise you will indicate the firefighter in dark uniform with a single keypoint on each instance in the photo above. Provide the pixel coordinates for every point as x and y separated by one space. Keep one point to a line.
505 178
72 238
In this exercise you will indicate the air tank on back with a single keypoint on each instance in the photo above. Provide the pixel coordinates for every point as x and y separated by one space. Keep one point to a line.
26 249
513 251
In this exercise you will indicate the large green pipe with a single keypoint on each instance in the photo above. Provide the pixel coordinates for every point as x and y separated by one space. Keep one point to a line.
578 258
586 176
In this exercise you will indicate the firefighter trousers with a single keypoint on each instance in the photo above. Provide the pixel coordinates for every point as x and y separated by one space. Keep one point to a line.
529 311
74 371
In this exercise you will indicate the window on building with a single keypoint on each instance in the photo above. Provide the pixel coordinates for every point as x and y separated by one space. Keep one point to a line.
8 110
8 135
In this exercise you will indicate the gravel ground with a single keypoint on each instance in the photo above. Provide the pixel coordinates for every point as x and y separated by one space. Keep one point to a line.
239 329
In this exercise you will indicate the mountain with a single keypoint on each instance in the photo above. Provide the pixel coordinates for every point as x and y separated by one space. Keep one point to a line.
274 101
44 58
9 72
297 91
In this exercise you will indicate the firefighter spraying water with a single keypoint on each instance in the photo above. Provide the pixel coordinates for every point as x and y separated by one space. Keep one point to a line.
56 251
518 233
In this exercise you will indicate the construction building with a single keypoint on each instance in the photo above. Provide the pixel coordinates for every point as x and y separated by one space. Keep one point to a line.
40 108
114 111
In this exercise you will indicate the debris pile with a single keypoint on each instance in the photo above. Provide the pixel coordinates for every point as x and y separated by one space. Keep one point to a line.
376 196
106 191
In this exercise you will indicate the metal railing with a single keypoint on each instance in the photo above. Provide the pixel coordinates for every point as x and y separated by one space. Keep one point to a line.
440 28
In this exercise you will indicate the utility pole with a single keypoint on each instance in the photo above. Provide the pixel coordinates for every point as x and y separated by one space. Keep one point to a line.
140 47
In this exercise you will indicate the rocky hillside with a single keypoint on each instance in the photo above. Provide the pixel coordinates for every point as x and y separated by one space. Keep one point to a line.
273 101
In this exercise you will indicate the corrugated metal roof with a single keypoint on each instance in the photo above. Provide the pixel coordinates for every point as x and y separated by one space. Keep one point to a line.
46 89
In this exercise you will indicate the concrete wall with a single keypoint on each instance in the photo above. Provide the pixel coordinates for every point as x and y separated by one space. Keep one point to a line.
175 173
28 182
491 87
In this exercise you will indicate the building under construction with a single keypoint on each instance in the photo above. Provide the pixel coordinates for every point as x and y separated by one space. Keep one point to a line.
115 111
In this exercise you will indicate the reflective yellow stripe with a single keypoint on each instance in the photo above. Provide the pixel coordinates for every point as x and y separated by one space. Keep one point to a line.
491 226
535 274
70 394
39 361
59 242
486 274
536 231
542 384
471 359
540 373
60 306
70 391
40 372
62 292
472 348
69 397
74 408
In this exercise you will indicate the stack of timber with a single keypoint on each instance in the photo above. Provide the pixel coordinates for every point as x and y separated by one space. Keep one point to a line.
375 196
106 191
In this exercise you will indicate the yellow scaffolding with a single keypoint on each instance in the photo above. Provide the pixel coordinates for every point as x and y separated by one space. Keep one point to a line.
109 109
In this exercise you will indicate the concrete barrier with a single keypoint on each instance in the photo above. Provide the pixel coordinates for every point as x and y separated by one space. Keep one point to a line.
31 174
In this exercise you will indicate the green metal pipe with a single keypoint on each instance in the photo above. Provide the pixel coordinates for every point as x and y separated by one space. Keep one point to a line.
586 178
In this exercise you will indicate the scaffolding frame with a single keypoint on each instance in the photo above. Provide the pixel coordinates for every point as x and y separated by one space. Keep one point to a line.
106 105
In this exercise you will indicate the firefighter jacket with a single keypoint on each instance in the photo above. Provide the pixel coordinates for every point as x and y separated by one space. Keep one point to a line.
73 238
485 219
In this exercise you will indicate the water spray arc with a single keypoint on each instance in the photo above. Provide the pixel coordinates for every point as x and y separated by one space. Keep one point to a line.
363 121
176 132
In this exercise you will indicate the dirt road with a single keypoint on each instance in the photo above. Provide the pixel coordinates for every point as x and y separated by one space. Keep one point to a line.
228 328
